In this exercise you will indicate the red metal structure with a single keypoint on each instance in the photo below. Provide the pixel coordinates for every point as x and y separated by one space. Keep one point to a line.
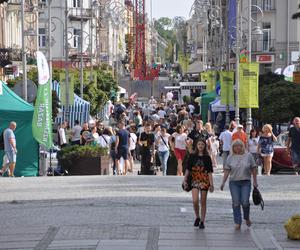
141 71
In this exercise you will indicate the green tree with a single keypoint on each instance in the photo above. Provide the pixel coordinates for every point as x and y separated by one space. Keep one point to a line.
279 100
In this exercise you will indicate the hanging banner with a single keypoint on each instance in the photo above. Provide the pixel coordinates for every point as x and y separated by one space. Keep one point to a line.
203 76
227 91
248 88
90 77
211 81
42 116
63 88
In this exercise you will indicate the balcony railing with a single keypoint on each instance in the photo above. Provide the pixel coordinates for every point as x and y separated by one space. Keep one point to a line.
76 14
263 45
266 5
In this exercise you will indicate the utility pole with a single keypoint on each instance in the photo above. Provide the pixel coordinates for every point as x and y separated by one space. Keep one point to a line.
81 49
49 39
249 111
227 56
67 61
91 40
24 62
237 63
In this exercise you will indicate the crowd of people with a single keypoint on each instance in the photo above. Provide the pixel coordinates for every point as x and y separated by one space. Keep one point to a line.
161 132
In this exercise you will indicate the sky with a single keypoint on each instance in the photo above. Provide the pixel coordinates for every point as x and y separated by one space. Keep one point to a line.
169 8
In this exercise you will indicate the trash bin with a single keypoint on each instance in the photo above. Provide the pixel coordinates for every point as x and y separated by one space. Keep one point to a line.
43 163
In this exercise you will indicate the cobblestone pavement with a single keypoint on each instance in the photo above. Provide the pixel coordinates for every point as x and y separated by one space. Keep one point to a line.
137 212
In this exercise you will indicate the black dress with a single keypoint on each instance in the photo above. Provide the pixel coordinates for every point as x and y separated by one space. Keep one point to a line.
147 141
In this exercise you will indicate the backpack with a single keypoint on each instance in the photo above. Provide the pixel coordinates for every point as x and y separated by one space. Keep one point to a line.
257 198
2 141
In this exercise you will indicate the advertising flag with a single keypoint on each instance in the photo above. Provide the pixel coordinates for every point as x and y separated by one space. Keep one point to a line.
63 88
227 91
42 116
248 80
211 80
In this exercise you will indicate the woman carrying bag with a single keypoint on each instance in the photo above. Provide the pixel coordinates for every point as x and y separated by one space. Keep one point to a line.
200 168
240 166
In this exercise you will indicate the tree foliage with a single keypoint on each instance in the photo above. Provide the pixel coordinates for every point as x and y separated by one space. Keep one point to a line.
279 99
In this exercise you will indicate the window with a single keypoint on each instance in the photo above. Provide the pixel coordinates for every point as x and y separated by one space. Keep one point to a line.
266 36
76 38
76 3
42 38
268 5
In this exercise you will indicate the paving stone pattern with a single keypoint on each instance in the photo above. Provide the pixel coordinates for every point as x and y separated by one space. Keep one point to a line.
137 212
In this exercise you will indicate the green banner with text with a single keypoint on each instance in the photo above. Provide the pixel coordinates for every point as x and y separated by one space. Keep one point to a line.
248 85
227 90
42 116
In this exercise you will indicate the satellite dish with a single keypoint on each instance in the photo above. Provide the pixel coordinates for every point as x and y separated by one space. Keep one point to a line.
31 90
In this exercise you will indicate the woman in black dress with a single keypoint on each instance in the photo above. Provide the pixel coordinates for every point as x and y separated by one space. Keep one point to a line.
200 168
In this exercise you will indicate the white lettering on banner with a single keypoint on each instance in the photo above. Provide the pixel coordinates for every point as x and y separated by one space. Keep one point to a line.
46 132
40 115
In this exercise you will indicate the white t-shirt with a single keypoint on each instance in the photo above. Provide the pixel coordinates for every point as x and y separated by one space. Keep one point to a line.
180 140
163 145
76 133
104 141
169 96
161 114
226 138
252 145
62 136
191 108
132 141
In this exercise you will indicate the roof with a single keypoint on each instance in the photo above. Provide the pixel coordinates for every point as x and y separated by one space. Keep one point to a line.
184 84
195 67
10 101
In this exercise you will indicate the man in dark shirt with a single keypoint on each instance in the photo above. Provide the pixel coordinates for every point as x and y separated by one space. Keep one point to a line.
293 142
122 147
146 141
199 133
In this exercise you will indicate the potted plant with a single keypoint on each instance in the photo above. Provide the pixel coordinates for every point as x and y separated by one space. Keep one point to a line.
84 160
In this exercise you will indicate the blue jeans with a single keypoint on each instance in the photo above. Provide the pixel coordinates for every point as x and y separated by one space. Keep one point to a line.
240 194
163 157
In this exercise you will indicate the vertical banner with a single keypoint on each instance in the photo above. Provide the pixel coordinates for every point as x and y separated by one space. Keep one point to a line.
211 81
248 80
203 76
90 77
1 88
42 116
63 88
232 22
227 91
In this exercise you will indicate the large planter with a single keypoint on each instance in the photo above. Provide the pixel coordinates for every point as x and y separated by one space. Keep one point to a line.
86 166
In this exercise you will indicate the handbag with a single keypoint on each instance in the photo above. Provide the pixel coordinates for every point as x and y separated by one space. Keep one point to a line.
257 198
188 188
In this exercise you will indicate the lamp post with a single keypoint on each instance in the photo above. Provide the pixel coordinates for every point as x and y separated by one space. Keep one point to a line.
24 79
49 39
67 60
237 63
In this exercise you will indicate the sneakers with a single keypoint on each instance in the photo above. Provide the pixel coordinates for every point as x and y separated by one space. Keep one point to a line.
196 223
201 226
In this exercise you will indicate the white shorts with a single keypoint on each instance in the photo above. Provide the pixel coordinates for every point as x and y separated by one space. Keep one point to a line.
265 155
5 160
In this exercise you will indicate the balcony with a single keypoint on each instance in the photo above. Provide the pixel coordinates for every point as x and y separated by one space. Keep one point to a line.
263 45
75 14
267 5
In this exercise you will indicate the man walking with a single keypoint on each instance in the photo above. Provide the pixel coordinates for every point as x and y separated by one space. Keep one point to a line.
226 139
122 147
76 133
10 149
293 142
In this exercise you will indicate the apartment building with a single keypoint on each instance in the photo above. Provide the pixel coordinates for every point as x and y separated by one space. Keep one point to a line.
278 47
11 36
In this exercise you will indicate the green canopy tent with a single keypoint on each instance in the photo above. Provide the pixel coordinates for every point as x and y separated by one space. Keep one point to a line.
13 108
206 98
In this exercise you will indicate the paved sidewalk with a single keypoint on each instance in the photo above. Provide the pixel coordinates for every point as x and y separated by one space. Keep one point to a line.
137 212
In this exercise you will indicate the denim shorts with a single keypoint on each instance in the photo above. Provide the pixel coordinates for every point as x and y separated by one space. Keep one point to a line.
295 157
11 156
